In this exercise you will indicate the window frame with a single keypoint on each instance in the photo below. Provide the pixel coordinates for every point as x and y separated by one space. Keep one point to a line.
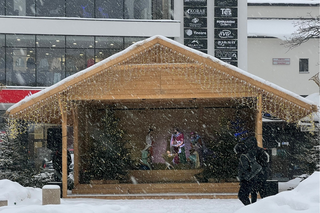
303 65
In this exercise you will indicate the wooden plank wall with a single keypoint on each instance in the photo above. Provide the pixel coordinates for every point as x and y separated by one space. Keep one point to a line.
147 82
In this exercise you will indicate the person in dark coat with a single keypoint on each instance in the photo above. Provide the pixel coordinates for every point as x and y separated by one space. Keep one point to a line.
261 181
247 152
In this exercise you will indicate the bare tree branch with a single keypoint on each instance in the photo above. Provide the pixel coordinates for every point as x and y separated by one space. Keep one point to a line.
307 29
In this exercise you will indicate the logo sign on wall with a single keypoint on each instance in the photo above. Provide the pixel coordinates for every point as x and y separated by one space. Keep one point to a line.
234 63
225 23
223 3
195 2
226 55
226 12
226 44
226 33
195 12
226 30
196 43
192 33
195 22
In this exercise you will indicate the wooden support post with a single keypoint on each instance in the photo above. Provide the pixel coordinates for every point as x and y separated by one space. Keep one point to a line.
64 148
76 145
258 129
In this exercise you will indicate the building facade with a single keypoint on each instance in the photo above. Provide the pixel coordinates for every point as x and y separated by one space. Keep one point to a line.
269 26
43 42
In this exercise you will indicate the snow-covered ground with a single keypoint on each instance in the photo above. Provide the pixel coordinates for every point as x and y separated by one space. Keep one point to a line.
304 198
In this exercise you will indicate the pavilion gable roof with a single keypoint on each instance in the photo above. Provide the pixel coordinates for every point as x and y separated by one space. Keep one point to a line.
155 64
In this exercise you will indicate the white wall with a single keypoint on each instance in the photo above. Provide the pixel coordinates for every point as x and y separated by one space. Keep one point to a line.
282 11
92 27
178 15
262 50
242 35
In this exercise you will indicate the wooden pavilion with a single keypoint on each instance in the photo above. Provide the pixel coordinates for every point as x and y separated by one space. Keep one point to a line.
157 73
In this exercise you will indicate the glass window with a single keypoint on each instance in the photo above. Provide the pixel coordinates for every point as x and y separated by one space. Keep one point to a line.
109 9
2 8
107 46
50 41
303 65
50 66
49 8
2 41
101 54
20 40
80 8
109 42
20 66
162 9
78 59
128 41
20 7
78 42
137 9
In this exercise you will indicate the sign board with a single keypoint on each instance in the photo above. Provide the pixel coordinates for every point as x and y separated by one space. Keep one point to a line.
204 51
195 22
226 33
225 23
226 54
15 95
195 33
223 3
195 2
281 61
196 43
234 63
195 12
226 44
226 12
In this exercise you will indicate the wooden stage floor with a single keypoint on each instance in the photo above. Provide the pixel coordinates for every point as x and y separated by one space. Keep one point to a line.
157 191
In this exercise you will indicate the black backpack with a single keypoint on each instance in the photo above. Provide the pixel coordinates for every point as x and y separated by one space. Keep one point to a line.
255 168
263 157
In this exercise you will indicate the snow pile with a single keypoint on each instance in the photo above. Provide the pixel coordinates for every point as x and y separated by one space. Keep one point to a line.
14 193
291 184
304 198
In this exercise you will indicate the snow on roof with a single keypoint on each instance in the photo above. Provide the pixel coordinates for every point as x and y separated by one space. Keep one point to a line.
281 29
285 1
137 44
315 98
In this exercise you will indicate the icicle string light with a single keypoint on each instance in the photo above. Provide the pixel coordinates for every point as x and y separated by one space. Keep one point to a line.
157 59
